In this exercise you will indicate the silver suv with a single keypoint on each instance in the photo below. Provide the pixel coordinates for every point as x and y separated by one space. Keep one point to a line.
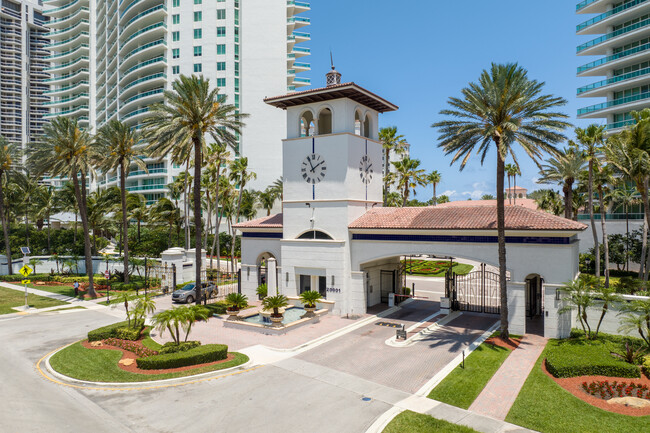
187 294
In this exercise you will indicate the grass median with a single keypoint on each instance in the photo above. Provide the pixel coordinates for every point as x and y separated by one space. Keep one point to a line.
10 298
412 422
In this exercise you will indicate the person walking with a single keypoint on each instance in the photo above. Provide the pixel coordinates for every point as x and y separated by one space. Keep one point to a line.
76 288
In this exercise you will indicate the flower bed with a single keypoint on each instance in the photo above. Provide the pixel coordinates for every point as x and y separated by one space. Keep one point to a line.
606 390
131 346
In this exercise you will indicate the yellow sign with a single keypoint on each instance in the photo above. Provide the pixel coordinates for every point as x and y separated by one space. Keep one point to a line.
26 281
26 270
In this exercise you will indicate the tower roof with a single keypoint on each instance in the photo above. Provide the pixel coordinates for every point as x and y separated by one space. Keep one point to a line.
336 91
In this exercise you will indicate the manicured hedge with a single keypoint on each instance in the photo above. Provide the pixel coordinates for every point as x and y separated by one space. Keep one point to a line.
127 333
18 277
571 358
108 331
646 366
198 355
172 347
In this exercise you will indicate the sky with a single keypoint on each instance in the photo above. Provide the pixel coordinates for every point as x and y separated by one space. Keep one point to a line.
419 53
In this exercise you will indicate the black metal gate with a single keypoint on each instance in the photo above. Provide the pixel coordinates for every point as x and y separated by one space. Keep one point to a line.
477 291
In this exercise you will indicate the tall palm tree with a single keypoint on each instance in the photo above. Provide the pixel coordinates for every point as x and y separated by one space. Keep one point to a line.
509 168
625 197
505 108
8 154
513 171
136 207
68 201
192 111
550 201
564 168
118 147
266 200
239 176
592 140
28 187
603 177
69 151
165 211
390 140
217 156
409 176
434 179
99 204
47 203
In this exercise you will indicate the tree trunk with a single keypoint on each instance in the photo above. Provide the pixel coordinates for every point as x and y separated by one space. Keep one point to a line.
406 195
138 230
198 160
514 182
80 192
386 170
590 192
627 238
74 235
125 229
5 228
646 210
568 194
171 230
603 227
49 237
435 198
217 219
644 248
501 235
509 191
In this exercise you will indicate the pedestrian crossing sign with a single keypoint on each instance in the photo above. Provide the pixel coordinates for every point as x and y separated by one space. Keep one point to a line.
26 270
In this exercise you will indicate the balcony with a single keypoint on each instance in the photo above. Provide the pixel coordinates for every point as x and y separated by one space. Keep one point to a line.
135 114
160 187
74 110
64 66
70 53
626 34
300 52
591 6
159 44
66 20
631 102
599 23
149 79
63 79
146 34
82 37
301 82
147 173
153 64
624 80
598 67
82 24
62 10
297 22
66 101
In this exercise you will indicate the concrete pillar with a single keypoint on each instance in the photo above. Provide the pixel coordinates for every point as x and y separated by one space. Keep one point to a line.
517 307
271 272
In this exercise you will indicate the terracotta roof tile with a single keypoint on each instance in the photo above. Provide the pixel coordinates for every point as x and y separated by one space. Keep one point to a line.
524 202
462 218
267 222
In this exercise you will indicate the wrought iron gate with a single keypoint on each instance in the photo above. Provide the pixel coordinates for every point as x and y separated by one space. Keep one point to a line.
478 291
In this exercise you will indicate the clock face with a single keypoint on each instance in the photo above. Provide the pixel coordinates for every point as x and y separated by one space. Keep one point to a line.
313 168
366 170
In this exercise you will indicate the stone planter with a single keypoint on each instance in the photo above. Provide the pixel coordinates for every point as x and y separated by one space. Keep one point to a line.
276 321
233 314
309 311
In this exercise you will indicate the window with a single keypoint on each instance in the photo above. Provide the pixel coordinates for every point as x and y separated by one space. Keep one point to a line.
221 49
176 53
198 16
176 3
236 69
198 2
221 66
175 70
198 51
221 31
236 84
176 19
198 67
221 82
221 14
236 52
176 36
198 33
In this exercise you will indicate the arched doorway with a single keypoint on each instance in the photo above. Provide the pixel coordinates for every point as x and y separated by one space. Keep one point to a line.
325 121
262 267
534 304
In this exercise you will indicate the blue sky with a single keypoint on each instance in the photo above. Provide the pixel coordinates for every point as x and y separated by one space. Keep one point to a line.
417 54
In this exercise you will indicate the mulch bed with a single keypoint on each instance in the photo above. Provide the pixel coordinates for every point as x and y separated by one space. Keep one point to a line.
574 386
133 368
511 344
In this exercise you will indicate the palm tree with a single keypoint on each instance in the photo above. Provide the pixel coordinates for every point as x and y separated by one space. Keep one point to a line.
136 206
240 176
217 156
8 152
28 188
550 201
564 169
592 139
67 150
66 197
625 197
510 169
118 147
47 203
191 111
165 211
409 176
99 204
434 179
277 188
603 176
249 204
267 199
505 107
390 140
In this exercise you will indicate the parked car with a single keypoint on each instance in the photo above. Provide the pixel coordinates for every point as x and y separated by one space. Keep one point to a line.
187 294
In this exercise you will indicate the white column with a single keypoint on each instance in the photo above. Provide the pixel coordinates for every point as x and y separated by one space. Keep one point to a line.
271 273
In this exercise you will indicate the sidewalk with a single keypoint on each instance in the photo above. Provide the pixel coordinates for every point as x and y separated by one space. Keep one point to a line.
500 393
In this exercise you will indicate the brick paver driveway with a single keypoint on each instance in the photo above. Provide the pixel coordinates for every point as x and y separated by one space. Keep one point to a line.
363 352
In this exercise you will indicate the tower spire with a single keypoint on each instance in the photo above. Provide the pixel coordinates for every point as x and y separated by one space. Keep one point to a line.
333 77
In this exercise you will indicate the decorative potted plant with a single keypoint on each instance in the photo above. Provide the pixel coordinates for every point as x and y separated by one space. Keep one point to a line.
262 291
309 299
275 303
235 302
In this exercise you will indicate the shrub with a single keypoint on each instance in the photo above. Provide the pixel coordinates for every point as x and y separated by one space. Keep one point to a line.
262 291
18 277
136 348
106 331
127 333
198 355
571 358
172 347
646 366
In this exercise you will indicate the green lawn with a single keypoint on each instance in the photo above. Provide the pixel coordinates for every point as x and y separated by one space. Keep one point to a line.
15 298
101 366
461 387
544 406
60 290
412 422
434 268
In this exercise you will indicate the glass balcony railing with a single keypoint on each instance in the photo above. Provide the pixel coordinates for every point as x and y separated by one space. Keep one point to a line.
144 95
65 53
143 13
301 35
58 20
135 113
145 63
151 171
614 103
584 4
63 113
617 79
620 124
71 98
50 11
66 64
144 79
302 50
611 35
611 58
145 187
67 29
294 20
144 47
144 30
608 14
67 41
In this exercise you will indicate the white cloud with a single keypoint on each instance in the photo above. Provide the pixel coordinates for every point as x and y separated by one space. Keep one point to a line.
449 193
474 195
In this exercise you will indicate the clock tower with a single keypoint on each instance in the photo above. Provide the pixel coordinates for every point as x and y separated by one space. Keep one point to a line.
332 174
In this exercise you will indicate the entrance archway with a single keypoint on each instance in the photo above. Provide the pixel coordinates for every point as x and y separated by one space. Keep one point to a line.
534 304
262 267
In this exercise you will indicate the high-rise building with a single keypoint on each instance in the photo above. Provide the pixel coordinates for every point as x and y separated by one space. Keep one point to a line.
23 70
114 58
621 40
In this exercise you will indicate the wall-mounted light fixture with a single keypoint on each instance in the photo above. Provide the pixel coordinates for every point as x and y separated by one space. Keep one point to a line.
333 281
308 204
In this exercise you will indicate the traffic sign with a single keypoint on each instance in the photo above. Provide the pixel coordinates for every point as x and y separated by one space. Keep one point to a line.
26 281
107 274
26 270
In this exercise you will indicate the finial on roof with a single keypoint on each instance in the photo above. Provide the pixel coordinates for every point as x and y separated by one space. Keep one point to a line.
332 77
